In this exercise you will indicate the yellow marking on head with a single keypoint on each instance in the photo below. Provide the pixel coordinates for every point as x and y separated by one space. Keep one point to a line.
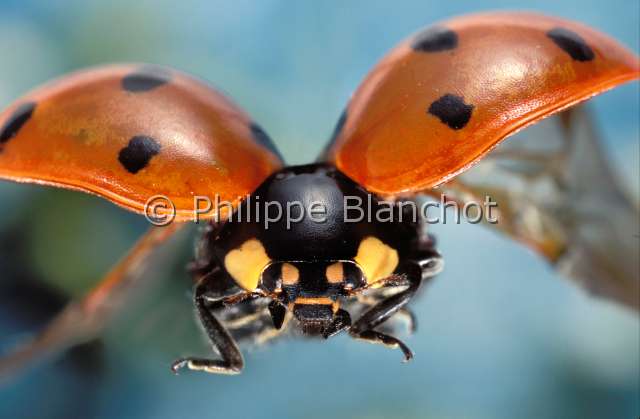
290 274
245 264
314 300
376 259
335 273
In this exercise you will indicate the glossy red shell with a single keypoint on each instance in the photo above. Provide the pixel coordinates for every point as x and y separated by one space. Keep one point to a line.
499 71
82 129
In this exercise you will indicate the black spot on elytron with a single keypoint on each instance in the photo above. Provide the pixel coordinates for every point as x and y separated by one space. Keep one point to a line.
572 44
263 138
451 110
17 119
435 39
145 79
137 154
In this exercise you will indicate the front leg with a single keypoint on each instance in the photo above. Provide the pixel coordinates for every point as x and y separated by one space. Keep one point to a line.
363 328
221 340
372 336
405 313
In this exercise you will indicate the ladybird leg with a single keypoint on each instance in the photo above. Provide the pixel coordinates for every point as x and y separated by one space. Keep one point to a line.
407 314
373 336
392 281
423 263
425 256
214 303
238 298
382 311
363 328
80 321
212 298
221 339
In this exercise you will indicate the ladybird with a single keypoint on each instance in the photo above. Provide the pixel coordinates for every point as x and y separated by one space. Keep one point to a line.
430 110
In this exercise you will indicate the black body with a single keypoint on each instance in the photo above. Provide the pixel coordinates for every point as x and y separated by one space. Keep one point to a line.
309 269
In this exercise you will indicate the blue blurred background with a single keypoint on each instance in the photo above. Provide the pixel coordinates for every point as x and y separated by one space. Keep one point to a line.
500 334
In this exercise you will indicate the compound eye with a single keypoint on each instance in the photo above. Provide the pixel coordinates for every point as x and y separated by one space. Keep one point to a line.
270 279
278 275
353 276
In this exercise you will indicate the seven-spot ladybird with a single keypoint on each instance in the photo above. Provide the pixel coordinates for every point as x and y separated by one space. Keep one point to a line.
432 108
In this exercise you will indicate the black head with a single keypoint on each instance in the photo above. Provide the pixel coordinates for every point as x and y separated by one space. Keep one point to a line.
311 290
